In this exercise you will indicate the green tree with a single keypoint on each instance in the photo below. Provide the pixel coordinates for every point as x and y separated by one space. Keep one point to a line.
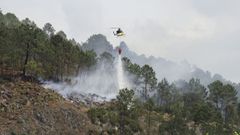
223 97
48 29
176 123
195 86
62 34
163 92
134 69
127 112
145 78
149 80
89 58
194 95
28 34
10 20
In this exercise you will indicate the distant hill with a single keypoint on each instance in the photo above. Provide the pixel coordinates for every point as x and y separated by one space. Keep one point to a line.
172 71
98 43
164 68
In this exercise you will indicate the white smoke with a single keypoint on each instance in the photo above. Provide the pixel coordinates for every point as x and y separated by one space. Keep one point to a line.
105 80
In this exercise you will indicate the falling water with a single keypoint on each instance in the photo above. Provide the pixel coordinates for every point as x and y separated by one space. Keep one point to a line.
103 81
120 75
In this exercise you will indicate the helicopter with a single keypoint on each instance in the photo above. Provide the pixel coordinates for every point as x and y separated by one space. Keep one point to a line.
118 32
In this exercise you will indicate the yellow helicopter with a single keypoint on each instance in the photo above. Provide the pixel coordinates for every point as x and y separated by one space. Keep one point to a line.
118 32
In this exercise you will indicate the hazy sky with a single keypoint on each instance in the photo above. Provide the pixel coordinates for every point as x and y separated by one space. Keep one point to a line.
204 32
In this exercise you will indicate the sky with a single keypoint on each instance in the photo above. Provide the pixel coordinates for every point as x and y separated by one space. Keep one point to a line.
203 32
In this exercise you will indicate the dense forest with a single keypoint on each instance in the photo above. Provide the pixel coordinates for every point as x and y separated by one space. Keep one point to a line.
151 107
41 53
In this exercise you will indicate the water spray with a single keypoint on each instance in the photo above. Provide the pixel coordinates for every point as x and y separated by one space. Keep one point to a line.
120 74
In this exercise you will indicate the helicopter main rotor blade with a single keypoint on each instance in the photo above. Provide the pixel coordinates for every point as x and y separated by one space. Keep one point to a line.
114 27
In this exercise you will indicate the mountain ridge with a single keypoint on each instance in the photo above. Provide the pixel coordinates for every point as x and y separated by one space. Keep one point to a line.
171 70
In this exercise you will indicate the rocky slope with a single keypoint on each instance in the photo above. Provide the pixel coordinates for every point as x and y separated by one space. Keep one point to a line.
28 108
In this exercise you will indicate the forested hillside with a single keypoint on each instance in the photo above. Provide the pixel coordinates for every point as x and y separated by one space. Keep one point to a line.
40 53
30 55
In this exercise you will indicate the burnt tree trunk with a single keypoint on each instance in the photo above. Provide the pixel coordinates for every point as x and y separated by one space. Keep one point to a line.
121 123
26 60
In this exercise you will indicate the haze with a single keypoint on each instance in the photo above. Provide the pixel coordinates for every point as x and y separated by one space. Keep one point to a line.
203 32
